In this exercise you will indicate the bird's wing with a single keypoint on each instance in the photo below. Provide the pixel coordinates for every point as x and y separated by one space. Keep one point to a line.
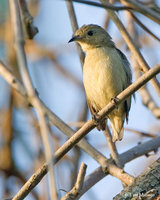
127 69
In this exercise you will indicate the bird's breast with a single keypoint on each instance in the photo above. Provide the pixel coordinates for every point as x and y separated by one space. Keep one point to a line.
102 76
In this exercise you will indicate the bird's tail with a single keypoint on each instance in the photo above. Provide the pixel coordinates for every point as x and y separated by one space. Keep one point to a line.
117 128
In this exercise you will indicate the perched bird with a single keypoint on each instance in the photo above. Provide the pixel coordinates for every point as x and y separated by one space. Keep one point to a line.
106 73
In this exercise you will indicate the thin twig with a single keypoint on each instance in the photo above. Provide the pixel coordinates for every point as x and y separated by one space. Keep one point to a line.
112 169
22 61
110 7
112 147
80 177
144 134
147 11
74 192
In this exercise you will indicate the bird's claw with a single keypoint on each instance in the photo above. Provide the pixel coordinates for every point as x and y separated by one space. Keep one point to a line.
95 119
115 101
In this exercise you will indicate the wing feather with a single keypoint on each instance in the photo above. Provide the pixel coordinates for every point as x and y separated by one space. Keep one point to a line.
127 69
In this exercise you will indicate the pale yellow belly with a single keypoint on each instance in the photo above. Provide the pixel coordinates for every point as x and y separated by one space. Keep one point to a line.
101 85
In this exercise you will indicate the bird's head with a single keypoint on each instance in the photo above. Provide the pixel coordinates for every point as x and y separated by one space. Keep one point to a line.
92 36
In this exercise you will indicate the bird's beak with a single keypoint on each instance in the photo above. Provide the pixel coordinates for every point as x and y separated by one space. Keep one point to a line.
74 38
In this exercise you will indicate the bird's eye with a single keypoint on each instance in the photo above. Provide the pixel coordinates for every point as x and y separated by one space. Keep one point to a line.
90 33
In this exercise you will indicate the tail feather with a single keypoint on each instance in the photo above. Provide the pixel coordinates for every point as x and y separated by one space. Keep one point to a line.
117 135
117 129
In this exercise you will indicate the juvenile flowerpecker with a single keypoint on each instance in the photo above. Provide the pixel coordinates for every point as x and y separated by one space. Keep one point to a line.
106 73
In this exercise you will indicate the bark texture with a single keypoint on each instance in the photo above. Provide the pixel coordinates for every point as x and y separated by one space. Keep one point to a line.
145 187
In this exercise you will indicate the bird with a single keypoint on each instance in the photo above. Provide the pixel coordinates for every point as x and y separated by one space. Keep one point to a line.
106 73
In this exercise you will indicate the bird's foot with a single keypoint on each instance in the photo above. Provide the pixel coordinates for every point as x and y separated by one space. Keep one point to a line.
101 125
115 100
95 119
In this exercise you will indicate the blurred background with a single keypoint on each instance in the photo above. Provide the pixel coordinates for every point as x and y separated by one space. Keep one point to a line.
56 72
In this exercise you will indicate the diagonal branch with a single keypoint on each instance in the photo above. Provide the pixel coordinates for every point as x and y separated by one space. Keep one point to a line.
145 10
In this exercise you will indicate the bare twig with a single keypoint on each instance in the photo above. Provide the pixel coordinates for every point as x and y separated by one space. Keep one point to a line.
110 7
74 192
22 61
144 134
112 169
147 11
80 177
112 147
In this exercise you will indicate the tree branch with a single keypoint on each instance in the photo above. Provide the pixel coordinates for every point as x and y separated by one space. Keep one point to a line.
110 7
143 9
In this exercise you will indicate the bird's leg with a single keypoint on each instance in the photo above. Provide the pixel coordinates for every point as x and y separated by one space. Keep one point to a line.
115 101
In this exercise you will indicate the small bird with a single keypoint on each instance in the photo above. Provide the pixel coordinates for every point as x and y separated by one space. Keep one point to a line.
106 73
